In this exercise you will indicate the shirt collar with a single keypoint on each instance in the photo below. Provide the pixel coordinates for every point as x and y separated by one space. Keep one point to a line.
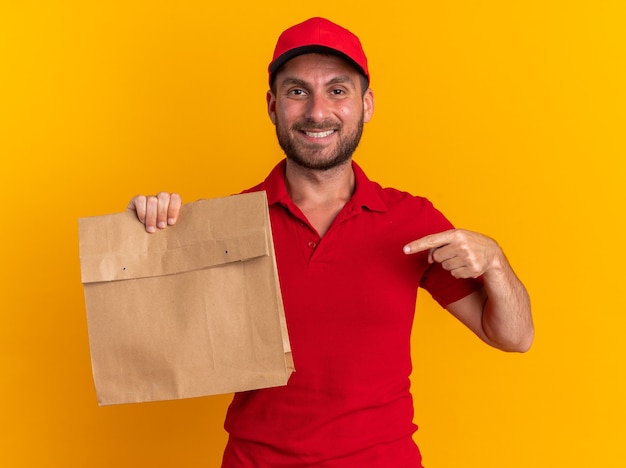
366 193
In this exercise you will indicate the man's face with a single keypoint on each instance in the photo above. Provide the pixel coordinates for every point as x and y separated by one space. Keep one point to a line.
319 109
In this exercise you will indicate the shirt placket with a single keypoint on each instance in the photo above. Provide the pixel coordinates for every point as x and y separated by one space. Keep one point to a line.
309 240
313 243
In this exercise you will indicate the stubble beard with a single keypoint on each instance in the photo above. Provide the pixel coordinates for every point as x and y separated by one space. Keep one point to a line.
304 154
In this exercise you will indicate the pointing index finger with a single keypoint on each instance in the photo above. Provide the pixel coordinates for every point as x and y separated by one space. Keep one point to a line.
432 241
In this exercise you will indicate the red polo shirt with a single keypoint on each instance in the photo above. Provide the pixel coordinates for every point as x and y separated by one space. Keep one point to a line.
349 303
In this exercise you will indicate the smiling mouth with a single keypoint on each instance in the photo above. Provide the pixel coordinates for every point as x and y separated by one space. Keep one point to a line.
319 134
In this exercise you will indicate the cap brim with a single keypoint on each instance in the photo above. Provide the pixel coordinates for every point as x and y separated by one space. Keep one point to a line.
311 49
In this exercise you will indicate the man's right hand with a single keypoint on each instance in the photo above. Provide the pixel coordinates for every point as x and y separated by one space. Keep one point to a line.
156 211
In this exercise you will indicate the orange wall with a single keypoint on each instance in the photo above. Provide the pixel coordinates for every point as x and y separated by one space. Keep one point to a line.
509 116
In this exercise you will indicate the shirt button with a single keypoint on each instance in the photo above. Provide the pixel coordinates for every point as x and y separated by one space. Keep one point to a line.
312 244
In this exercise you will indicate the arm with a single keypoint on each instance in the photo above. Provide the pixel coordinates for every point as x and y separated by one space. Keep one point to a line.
500 313
156 211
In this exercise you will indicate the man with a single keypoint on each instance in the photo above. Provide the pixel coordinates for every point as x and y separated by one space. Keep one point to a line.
350 257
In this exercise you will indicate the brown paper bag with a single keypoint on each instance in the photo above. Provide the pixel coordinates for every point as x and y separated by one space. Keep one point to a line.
191 310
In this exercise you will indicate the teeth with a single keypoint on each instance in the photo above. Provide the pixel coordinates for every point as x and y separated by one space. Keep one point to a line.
319 134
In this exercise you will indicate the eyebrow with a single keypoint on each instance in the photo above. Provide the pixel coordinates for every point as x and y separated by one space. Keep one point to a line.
288 81
293 81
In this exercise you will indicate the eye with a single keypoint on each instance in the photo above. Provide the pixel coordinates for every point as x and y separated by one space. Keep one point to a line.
338 92
296 92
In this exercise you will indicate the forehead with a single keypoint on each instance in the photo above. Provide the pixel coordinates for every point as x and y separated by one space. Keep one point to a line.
317 67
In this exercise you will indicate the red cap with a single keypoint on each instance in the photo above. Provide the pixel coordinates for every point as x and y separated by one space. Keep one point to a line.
318 35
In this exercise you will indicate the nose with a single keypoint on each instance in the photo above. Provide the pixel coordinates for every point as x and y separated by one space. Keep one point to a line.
318 108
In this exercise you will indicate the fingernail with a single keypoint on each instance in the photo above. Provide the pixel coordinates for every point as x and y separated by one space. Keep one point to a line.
171 221
406 249
150 229
161 224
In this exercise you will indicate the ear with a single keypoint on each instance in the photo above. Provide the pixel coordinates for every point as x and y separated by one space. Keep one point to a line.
368 105
271 106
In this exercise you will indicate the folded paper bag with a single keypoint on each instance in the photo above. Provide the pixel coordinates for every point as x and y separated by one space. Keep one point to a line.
188 311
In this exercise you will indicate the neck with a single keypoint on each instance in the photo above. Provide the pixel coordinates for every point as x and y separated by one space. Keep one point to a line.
313 186
320 195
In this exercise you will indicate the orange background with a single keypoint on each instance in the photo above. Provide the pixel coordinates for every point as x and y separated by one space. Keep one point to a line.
509 116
